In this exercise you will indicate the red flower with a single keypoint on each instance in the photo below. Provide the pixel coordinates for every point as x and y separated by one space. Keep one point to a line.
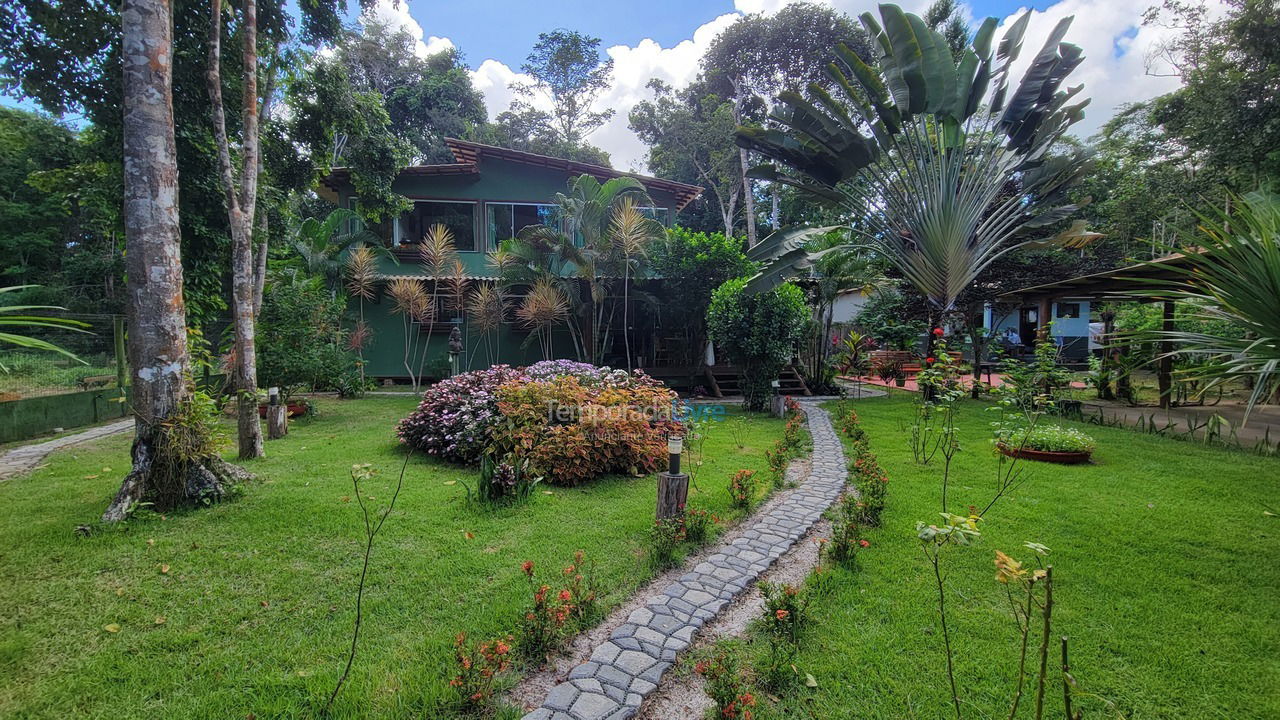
565 595
937 331
781 614
527 567
931 360
864 543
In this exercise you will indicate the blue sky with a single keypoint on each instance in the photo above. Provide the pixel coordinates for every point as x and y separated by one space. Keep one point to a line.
665 39
471 25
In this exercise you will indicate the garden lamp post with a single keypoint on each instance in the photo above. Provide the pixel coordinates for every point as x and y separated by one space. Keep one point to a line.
673 485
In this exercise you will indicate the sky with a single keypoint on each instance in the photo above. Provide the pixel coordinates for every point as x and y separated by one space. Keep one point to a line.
666 39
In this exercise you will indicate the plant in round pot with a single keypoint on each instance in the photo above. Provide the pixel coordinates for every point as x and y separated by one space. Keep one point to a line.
1047 443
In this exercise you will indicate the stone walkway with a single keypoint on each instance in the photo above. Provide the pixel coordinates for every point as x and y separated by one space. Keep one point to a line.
22 459
627 667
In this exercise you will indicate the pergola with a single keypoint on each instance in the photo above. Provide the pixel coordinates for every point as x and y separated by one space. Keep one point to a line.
1133 283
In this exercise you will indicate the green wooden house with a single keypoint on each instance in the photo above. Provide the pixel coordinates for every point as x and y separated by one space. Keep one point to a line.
486 196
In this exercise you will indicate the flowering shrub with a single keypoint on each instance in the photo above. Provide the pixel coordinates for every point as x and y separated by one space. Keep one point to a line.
457 415
667 534
565 421
784 610
544 622
873 486
698 524
478 666
570 432
742 488
726 685
583 594
846 533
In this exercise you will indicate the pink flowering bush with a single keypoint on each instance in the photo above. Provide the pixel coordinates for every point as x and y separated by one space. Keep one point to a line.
564 421
457 416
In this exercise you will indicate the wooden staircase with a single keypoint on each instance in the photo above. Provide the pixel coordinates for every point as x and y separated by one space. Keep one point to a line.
722 381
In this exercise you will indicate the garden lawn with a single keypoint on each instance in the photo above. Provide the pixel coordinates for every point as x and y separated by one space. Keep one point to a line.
1165 579
244 609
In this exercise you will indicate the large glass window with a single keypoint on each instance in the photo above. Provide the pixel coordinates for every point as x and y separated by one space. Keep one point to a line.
459 217
506 220
657 213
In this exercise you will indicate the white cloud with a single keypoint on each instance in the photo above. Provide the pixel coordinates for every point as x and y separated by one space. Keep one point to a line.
1115 44
395 15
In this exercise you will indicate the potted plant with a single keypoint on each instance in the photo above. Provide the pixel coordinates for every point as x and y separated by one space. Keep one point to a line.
1046 443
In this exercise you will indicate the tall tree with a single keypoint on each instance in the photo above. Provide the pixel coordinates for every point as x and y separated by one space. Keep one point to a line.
1228 110
567 69
690 137
240 196
763 55
426 98
172 461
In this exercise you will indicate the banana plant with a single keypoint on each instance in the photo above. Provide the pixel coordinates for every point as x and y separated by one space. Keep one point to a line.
943 165
321 244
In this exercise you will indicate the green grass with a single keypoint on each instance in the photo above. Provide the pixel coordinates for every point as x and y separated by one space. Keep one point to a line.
1165 580
34 374
258 600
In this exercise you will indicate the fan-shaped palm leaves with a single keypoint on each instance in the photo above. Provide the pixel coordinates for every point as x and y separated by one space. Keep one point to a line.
321 244
632 233
923 151
1234 278
542 309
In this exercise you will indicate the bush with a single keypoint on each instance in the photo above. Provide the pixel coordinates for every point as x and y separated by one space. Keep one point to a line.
758 332
562 421
300 340
666 537
478 667
457 416
570 432
742 488
726 684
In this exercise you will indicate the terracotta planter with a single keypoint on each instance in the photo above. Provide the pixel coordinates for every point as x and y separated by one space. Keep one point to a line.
1062 458
295 410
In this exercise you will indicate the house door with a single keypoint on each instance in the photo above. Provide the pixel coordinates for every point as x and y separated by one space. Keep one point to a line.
1028 326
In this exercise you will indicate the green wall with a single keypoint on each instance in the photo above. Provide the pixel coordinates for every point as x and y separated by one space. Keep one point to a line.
29 417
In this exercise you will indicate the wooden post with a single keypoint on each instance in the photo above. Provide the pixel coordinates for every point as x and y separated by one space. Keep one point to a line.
673 485
1043 319
277 416
1164 377
673 492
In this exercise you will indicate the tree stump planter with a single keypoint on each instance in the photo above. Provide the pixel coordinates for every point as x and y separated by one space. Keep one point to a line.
1061 458
277 422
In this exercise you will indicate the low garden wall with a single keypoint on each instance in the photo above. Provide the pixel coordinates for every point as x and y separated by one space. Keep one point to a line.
29 417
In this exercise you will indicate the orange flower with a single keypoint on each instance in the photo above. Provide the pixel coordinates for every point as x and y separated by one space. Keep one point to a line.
782 614
527 568
565 595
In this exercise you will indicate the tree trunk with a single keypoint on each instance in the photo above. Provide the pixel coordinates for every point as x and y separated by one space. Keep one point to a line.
748 200
240 213
157 317
775 213
277 421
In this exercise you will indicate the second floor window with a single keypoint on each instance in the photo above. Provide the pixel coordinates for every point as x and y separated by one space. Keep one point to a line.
506 220
459 217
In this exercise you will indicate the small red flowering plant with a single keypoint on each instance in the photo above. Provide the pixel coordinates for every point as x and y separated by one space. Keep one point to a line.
478 666
726 684
742 489
543 623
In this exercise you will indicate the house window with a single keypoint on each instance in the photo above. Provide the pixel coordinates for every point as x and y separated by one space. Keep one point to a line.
506 220
660 214
1069 310
459 217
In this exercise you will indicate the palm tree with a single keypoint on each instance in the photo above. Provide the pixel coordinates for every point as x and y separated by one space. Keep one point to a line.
583 248
632 233
9 319
321 244
542 309
1234 277
922 152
